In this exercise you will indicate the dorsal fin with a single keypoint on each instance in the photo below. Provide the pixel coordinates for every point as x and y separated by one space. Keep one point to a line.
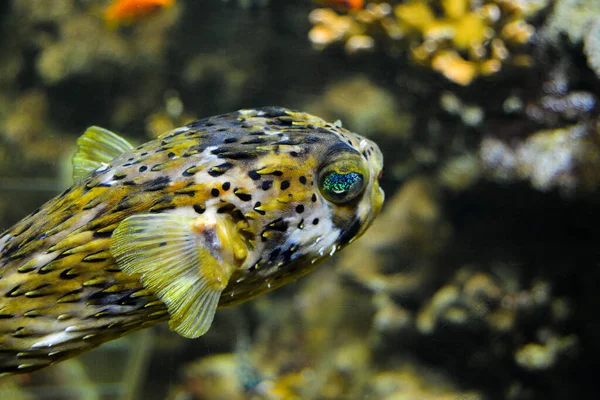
96 147
185 262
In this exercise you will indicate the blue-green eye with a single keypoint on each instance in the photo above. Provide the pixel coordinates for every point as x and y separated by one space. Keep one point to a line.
341 187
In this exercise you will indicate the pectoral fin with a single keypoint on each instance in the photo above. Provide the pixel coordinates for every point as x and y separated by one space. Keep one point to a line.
96 147
183 261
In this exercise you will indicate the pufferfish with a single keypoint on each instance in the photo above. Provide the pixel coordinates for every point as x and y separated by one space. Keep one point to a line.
208 215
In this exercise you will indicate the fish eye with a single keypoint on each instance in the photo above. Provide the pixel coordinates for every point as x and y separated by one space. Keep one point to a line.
342 181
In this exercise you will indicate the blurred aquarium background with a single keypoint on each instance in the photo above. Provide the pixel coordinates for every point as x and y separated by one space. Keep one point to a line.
481 280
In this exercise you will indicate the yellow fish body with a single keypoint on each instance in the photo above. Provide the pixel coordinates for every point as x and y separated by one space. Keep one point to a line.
208 215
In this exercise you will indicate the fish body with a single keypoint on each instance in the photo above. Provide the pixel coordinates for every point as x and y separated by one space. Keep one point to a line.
208 215
128 11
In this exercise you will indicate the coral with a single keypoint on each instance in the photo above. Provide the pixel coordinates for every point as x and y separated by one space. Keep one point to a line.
414 382
539 357
460 172
472 299
567 159
309 347
591 48
571 18
468 39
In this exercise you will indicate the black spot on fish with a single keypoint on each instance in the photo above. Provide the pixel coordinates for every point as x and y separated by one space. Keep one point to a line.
162 206
254 175
226 186
257 140
302 180
219 169
199 208
278 225
315 221
274 254
102 235
171 155
287 255
241 155
266 185
299 208
228 208
313 198
190 171
256 205
301 224
95 257
255 265
230 140
243 196
294 141
143 168
72 295
14 292
285 185
103 298
294 153
118 177
159 183
215 192
277 173
349 233
68 274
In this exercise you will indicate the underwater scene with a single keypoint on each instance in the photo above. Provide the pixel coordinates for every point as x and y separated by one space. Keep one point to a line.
299 199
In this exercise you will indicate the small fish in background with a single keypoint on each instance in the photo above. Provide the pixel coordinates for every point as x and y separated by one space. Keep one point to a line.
343 5
129 11
207 215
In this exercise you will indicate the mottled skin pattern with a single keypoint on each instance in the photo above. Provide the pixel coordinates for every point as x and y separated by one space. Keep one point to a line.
61 292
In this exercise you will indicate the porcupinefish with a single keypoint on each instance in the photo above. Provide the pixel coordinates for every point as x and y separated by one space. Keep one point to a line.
208 215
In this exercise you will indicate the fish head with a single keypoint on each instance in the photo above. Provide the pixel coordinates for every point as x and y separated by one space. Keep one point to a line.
315 189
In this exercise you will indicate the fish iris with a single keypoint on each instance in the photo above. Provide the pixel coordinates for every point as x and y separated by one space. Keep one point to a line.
340 188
